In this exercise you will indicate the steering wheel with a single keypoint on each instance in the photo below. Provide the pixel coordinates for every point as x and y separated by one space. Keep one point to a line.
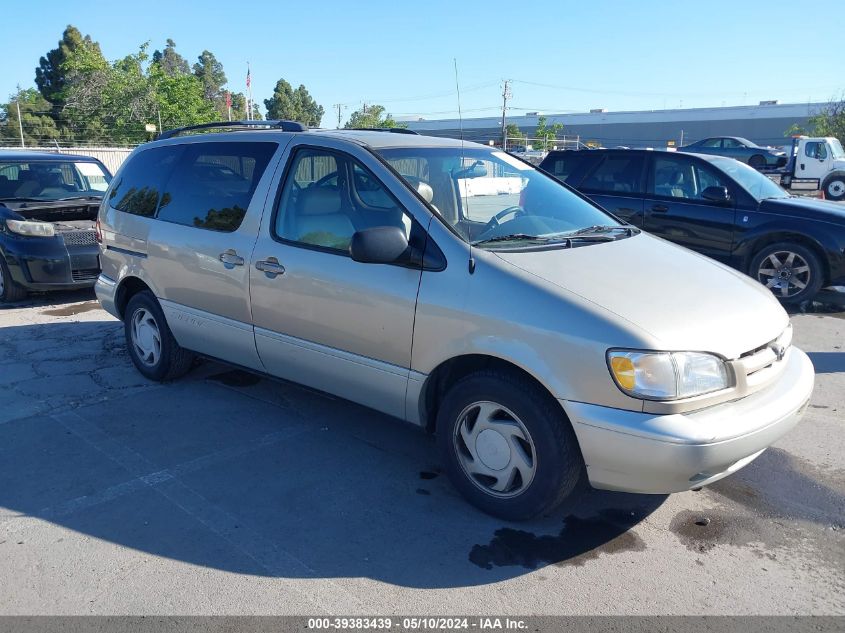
493 222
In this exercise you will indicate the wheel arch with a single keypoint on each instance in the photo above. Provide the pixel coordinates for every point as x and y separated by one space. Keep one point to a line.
128 287
755 245
450 371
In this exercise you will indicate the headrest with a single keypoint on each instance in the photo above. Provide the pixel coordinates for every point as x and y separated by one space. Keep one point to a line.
319 201
425 190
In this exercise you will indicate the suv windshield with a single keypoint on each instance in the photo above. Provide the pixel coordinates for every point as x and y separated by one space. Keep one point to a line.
756 184
51 180
493 199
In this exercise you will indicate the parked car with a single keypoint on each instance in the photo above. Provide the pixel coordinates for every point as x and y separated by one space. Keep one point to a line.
739 148
458 288
48 205
718 207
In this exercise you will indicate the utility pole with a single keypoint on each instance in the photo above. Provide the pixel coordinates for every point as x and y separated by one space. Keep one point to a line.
339 107
506 94
20 121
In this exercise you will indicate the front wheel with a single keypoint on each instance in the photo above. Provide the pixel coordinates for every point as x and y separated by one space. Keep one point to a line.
834 188
757 161
151 345
507 445
791 271
9 290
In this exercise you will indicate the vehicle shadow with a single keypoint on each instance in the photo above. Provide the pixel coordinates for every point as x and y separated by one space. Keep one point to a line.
828 362
225 470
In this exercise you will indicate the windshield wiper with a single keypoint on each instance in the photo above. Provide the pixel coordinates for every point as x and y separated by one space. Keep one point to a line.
598 229
88 197
510 237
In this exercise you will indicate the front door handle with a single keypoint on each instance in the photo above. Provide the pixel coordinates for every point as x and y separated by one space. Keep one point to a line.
660 208
270 267
231 258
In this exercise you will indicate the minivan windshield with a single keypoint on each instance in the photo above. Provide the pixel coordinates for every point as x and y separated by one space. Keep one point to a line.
760 187
494 200
42 180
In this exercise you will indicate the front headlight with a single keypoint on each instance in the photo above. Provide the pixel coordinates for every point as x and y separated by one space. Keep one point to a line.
667 375
31 229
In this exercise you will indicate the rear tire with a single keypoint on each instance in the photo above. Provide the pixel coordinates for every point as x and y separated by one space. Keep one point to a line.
10 292
757 161
834 188
791 271
149 341
507 445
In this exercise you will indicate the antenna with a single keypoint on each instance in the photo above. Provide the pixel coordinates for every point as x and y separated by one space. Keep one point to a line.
461 127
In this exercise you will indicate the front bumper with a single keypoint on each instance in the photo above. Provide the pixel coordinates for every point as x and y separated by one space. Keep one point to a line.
647 453
51 264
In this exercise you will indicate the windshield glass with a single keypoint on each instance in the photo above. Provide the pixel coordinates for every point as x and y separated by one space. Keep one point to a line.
836 148
51 180
485 194
759 186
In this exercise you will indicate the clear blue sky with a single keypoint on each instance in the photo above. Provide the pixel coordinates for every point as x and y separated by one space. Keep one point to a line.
563 56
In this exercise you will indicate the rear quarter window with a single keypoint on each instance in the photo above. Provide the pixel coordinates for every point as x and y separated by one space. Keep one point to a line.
138 187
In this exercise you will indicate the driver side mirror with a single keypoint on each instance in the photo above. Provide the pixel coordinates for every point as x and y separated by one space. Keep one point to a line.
379 245
719 195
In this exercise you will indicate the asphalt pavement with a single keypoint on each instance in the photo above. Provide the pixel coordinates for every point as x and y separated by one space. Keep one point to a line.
224 493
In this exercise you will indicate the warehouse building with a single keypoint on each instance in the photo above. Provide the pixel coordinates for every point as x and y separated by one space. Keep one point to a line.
767 124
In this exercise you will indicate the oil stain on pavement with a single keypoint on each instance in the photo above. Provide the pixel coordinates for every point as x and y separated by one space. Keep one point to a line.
580 540
74 309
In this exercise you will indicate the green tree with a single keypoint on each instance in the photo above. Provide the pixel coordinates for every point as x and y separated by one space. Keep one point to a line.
547 134
51 75
514 134
830 121
239 108
39 128
293 105
171 62
372 116
179 99
210 73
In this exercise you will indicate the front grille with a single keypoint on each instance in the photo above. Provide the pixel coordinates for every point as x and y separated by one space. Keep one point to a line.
87 274
79 238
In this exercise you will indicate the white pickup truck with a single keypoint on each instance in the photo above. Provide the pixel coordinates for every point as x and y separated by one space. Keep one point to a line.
817 163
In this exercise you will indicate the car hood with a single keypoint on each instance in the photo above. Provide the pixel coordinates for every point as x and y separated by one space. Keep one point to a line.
805 208
55 210
683 300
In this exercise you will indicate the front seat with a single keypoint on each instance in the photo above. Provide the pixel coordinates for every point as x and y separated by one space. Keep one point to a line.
320 219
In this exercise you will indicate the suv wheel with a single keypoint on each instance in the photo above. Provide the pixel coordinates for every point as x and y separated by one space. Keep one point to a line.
834 188
791 271
507 445
151 346
9 290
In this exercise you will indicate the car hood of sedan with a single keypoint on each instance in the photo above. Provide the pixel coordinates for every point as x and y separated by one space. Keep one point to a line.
682 299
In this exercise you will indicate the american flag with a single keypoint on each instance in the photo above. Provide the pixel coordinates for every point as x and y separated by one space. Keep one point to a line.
248 79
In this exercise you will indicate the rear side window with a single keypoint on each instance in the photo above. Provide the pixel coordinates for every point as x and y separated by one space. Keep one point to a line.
213 183
561 165
617 173
138 188
712 142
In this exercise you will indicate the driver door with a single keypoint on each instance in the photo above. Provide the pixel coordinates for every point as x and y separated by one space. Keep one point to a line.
322 319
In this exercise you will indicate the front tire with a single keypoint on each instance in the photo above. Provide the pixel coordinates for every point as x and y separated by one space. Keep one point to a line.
9 290
834 188
151 345
507 445
757 161
791 271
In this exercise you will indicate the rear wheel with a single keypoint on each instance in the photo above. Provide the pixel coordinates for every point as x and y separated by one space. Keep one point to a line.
9 290
507 445
791 271
757 161
151 345
834 188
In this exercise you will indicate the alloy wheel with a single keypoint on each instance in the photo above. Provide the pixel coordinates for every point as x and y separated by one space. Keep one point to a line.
785 273
495 449
146 337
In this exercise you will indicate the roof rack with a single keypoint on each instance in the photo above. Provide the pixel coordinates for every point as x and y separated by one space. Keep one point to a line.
285 126
395 130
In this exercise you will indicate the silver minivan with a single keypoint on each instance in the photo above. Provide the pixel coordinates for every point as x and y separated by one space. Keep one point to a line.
458 288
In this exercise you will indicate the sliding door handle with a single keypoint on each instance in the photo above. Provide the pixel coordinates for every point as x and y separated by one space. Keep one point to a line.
231 258
660 208
270 267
